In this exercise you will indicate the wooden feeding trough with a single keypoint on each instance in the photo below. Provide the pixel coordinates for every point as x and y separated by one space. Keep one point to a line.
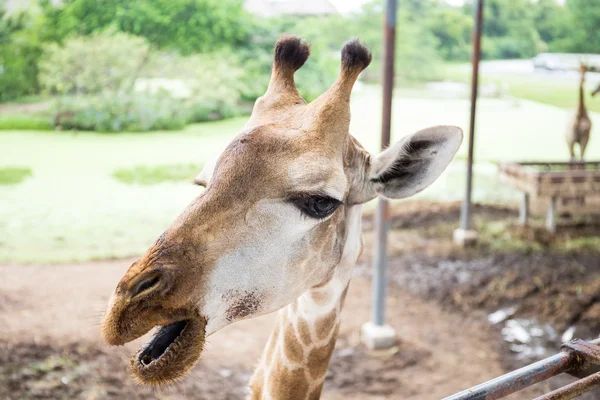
576 185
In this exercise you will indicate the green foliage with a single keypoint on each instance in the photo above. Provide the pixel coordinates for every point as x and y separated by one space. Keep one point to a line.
202 111
453 32
93 64
116 113
154 174
550 21
509 30
188 26
216 78
585 16
13 175
25 122
19 53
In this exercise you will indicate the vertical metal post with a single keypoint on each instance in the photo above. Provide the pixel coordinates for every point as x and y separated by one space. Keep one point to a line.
551 215
382 216
465 214
524 210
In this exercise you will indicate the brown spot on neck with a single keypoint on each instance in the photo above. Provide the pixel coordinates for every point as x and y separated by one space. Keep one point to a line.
288 384
292 347
325 324
319 357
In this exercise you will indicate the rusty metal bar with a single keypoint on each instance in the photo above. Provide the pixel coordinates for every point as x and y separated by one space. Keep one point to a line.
465 213
574 389
517 380
578 358
382 216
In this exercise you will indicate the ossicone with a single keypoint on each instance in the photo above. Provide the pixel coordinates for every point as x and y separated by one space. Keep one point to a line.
291 52
355 56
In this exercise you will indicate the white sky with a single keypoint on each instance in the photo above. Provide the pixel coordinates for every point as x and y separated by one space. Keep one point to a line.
349 5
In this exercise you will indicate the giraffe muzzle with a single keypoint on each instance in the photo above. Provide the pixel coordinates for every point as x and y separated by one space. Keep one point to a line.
173 350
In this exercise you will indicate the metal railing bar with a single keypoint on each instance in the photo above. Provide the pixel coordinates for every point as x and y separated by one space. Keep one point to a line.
574 389
517 380
577 357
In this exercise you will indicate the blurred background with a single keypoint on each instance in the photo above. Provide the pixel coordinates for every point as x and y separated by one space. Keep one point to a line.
108 109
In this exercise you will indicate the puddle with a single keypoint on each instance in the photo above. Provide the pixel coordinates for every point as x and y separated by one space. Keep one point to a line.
528 339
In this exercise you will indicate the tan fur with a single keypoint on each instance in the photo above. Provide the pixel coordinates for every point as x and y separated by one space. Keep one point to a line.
245 247
580 125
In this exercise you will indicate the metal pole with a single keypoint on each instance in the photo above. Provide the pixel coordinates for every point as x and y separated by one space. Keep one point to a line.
382 217
517 380
574 389
576 358
465 214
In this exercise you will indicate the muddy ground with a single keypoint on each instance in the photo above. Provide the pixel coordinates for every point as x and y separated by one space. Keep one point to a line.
440 300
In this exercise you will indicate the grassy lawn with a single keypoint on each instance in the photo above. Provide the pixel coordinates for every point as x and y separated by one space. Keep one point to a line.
73 208
13 175
540 88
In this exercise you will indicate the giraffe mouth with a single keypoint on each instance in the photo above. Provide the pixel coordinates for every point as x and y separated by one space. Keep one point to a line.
173 350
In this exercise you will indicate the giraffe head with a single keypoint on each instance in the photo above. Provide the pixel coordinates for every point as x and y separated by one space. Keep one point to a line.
272 220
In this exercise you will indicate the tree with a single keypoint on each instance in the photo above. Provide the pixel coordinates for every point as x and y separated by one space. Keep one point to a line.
453 29
550 18
93 64
19 52
187 26
584 35
509 29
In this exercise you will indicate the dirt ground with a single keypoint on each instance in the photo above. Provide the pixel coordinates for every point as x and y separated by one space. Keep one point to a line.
439 301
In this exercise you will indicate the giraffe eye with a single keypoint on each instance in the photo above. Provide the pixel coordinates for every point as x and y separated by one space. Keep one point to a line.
317 206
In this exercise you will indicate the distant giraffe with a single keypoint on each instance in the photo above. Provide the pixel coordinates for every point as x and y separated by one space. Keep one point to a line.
580 125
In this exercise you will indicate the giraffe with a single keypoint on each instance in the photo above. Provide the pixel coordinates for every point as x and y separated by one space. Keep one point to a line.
277 228
580 123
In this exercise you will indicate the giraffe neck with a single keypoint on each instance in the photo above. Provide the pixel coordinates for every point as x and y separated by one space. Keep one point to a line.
581 105
295 360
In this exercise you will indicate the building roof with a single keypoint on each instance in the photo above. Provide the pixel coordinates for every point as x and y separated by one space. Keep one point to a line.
271 8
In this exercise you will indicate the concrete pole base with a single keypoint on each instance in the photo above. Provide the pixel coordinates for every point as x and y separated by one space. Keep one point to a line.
465 237
377 337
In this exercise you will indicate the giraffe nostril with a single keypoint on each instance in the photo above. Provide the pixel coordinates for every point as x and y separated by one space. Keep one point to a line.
146 285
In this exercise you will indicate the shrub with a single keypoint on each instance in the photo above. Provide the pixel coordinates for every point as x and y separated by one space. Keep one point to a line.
214 83
151 175
19 54
204 111
115 113
94 64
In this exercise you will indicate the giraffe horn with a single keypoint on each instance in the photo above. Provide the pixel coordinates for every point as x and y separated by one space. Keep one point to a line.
291 53
333 106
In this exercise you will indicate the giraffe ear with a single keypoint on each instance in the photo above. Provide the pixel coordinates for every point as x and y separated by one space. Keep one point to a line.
204 177
412 164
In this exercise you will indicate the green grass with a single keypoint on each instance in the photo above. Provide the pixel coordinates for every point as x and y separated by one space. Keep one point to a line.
556 93
14 175
73 208
152 175
25 122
